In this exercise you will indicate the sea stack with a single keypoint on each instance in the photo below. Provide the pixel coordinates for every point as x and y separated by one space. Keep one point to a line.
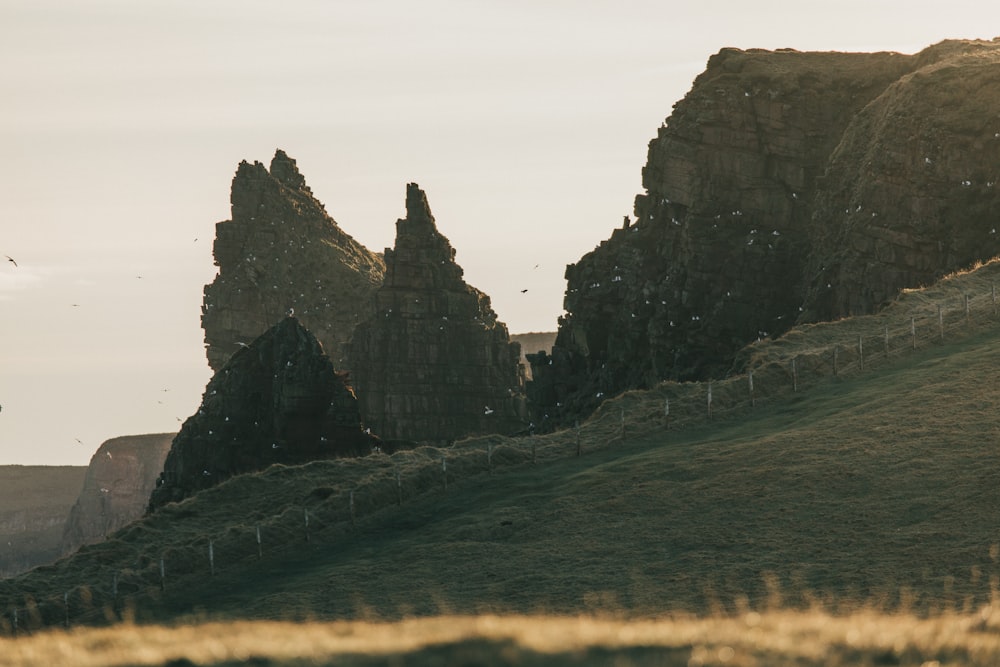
282 251
279 400
434 363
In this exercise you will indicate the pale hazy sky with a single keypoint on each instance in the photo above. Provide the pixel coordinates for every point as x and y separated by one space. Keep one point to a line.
122 123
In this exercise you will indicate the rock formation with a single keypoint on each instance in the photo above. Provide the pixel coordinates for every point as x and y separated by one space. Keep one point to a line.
434 363
120 477
281 251
279 400
34 502
784 187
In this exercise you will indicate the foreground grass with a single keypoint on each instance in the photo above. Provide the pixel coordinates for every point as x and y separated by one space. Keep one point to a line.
778 637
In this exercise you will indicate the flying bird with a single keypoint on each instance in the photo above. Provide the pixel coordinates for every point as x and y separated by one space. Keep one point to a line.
11 260
523 291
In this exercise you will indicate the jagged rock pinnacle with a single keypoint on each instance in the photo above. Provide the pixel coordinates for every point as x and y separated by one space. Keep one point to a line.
434 363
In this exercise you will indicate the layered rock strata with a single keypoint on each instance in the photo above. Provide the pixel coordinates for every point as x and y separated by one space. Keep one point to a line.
784 187
434 363
34 502
279 400
282 252
121 475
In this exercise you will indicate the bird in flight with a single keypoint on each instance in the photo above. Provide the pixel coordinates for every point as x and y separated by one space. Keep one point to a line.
523 291
11 260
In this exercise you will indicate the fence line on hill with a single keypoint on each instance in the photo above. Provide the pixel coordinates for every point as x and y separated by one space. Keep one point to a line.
668 407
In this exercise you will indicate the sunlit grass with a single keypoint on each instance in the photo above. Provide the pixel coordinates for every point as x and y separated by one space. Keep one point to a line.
784 637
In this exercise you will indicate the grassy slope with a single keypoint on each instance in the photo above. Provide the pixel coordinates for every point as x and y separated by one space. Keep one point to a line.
875 490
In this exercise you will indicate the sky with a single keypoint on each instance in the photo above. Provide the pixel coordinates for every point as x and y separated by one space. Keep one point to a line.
526 123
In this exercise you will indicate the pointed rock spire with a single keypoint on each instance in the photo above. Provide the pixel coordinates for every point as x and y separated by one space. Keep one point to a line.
434 363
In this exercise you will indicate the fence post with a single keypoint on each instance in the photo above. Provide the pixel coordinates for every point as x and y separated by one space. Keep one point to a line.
489 456
709 400
444 471
666 412
941 322
887 341
968 316
623 423
795 376
399 488
753 399
211 557
66 609
352 506
861 353
260 549
15 621
836 352
533 457
305 513
163 573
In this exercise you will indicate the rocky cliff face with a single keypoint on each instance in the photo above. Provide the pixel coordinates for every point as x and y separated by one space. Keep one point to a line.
784 187
279 400
34 502
434 363
282 251
120 477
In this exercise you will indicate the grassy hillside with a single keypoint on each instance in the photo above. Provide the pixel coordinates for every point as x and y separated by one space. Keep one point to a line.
873 490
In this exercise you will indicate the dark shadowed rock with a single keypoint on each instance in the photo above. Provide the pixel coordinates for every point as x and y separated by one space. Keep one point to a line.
434 363
281 251
277 401
784 187
120 477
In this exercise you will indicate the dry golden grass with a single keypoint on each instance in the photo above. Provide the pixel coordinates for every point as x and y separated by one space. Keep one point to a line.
749 639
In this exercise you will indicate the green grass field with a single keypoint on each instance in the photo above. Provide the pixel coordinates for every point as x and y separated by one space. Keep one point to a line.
854 521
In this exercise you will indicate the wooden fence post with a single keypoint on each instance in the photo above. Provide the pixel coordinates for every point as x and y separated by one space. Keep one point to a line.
666 412
399 488
795 376
709 400
260 549
444 471
66 609
211 557
305 513
836 351
941 322
753 399
163 573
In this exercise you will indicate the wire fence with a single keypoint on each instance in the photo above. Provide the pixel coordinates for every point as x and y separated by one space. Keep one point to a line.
162 559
